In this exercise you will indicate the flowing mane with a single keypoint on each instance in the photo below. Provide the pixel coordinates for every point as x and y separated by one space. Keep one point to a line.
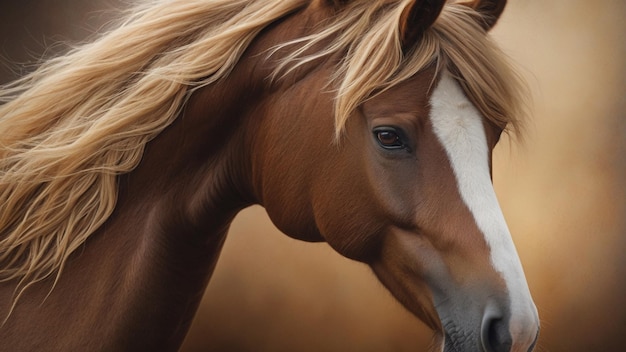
69 129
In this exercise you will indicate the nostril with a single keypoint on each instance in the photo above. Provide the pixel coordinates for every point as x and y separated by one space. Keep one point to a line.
496 337
495 334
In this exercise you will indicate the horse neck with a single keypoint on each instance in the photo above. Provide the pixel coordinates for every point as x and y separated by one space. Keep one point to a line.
139 278
144 271
203 169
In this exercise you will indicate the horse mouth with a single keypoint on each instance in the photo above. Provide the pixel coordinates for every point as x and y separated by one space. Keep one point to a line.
461 343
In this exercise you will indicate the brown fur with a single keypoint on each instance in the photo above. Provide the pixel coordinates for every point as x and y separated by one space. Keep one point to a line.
136 282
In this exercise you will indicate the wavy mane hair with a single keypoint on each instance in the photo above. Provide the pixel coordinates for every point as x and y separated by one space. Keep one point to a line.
69 129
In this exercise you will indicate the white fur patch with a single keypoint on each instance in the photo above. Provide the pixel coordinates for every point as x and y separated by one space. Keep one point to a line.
459 127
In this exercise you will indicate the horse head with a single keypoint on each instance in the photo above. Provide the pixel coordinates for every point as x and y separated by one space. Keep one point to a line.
405 186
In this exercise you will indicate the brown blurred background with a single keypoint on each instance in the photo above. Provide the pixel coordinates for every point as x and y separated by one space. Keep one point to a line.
563 193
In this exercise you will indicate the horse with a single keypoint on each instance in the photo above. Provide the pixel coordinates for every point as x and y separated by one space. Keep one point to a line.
365 124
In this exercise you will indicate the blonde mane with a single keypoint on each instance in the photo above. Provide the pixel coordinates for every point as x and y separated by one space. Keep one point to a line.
72 127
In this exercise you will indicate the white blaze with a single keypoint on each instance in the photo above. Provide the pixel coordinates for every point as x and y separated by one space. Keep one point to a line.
459 127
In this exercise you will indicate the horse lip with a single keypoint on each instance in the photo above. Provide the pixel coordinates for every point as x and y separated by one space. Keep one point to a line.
465 343
459 336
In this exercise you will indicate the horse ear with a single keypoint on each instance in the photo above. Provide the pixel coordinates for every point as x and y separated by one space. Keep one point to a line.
416 18
489 10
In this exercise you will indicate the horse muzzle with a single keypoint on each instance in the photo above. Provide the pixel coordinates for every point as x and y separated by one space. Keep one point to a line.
497 330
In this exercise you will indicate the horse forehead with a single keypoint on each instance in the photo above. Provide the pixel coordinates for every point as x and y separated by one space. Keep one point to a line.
410 96
459 126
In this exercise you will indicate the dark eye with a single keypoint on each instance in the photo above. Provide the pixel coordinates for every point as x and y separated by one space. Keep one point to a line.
389 138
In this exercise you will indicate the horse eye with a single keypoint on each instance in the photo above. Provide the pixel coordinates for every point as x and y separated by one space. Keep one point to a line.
389 139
